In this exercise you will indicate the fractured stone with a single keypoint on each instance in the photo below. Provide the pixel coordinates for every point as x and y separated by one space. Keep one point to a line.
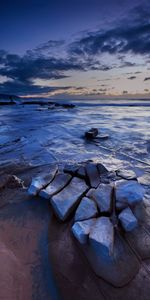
102 196
93 175
82 229
66 200
126 174
59 182
41 181
128 193
87 209
128 220
101 236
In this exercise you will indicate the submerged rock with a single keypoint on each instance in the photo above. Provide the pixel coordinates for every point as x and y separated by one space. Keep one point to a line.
41 181
66 201
59 182
92 175
101 236
128 193
128 220
87 209
82 229
103 197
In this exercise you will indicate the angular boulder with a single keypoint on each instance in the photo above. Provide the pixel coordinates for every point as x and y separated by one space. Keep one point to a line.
71 168
128 220
81 172
101 236
59 182
41 181
92 175
87 209
128 193
82 229
101 169
66 201
103 197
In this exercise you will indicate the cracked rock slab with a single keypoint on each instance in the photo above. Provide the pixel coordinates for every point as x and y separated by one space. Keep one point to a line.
103 197
59 182
128 193
66 201
92 175
128 220
82 229
87 209
41 181
101 236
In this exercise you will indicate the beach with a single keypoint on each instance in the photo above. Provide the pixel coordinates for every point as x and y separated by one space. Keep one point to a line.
43 261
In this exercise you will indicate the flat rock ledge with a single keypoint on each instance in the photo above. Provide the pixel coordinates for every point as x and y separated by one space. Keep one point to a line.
101 205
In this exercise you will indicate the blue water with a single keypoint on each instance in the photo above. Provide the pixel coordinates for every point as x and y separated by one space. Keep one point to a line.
39 136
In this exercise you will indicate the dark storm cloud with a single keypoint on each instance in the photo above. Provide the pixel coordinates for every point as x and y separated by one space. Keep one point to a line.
131 35
131 77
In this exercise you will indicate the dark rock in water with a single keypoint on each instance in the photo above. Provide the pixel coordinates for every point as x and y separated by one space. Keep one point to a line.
128 193
126 174
92 175
101 169
102 236
66 201
87 209
117 267
81 172
82 229
92 133
59 182
41 181
71 169
128 220
103 197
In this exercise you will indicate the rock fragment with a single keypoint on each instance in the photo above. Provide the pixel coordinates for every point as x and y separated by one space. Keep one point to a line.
128 220
101 169
93 175
71 169
41 181
103 197
87 209
101 236
81 172
128 193
82 229
59 182
66 201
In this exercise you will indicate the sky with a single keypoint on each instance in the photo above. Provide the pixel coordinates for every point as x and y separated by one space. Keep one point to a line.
72 49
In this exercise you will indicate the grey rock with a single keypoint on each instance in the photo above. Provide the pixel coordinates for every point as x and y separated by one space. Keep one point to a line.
128 220
102 196
102 236
43 180
128 192
66 201
71 168
101 169
82 229
126 174
59 182
87 209
93 175
81 172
